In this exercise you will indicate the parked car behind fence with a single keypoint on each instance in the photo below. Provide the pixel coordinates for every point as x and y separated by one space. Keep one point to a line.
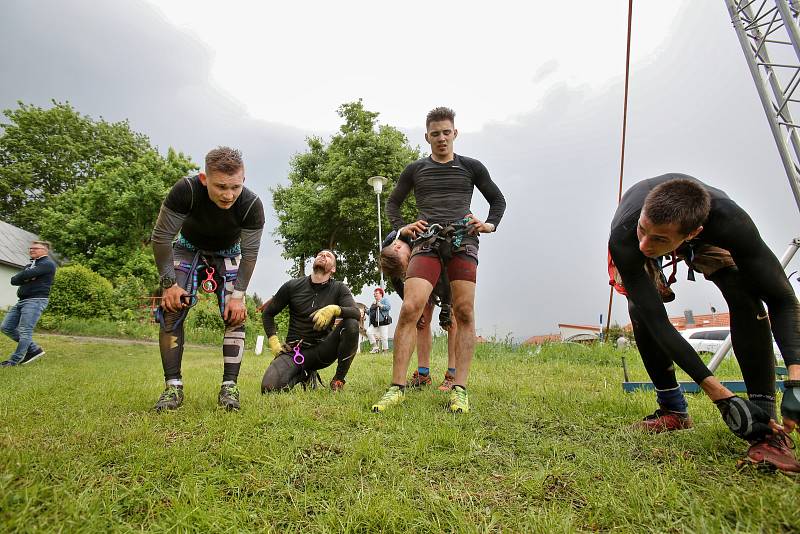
706 340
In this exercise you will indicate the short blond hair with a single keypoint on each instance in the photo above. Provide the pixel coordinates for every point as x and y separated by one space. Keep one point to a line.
224 159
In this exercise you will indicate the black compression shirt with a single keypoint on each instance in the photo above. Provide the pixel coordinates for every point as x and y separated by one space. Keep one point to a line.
207 226
304 298
443 191
727 227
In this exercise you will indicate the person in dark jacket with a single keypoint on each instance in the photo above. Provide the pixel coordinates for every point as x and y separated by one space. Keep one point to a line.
34 283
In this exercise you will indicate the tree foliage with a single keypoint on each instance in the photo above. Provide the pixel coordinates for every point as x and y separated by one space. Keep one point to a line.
105 223
46 152
328 203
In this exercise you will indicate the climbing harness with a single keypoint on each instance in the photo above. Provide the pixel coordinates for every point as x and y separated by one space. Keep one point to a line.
200 261
444 240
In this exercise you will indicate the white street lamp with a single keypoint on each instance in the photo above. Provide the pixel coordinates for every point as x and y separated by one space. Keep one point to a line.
377 183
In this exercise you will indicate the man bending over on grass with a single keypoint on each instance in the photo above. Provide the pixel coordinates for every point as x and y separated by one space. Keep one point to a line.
443 184
314 340
218 223
680 216
395 253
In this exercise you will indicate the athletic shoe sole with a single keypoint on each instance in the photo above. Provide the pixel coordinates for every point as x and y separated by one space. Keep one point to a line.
33 359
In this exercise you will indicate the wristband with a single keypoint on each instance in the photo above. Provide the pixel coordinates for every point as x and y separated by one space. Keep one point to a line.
237 294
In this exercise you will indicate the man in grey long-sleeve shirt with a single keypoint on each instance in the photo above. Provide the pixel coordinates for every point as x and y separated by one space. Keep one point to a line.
34 283
218 223
443 184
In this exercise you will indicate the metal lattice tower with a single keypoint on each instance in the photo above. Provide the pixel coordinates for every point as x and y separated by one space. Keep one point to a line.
770 39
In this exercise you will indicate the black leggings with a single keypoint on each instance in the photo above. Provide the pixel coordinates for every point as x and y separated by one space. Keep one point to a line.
750 336
338 346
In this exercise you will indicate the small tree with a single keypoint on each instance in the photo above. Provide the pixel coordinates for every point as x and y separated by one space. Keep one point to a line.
328 203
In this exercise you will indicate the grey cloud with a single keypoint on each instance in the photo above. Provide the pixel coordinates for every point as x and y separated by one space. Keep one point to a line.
121 60
545 70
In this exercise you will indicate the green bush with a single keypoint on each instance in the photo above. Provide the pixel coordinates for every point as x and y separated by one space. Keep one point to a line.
128 302
80 292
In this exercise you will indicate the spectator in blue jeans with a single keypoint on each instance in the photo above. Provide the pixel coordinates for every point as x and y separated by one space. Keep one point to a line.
34 283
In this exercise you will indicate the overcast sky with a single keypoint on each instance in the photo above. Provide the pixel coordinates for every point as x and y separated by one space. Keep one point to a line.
537 88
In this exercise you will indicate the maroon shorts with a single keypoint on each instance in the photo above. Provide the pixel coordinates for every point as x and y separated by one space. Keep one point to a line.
462 266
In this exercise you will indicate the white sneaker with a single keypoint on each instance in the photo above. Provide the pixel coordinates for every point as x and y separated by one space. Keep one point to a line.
375 350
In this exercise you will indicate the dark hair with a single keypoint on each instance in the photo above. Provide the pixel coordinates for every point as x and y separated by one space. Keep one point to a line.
390 263
440 114
680 201
224 159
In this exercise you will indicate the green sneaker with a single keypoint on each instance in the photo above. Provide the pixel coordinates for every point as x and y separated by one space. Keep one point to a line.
394 395
459 400
170 399
229 397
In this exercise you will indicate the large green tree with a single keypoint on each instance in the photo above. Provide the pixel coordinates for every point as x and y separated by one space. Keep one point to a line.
45 152
105 223
328 203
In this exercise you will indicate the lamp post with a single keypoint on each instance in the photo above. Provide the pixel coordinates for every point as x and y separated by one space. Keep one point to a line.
377 183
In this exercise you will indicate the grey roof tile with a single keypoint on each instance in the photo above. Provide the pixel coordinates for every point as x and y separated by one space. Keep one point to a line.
14 244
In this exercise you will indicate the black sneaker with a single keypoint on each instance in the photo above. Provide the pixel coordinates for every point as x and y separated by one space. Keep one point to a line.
312 380
8 363
170 399
31 356
229 397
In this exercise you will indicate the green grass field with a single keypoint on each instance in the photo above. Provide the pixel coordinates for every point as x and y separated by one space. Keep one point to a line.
546 449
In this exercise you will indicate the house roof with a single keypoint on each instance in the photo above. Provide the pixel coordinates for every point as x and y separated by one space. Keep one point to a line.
701 320
539 340
14 244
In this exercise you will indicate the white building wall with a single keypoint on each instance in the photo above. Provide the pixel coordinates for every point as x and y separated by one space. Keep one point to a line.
8 293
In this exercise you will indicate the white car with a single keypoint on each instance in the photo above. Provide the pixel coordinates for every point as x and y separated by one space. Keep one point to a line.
706 340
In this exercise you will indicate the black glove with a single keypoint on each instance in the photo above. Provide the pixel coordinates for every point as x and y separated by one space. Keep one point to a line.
744 418
790 405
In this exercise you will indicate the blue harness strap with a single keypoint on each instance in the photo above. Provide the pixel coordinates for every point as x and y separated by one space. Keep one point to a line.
191 285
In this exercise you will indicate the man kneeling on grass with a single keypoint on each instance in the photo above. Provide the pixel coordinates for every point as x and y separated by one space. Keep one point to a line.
314 340
679 216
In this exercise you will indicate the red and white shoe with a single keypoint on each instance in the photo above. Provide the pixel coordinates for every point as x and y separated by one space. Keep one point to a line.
776 451
664 421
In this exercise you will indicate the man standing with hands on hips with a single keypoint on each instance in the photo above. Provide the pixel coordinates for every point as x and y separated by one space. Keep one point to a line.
443 184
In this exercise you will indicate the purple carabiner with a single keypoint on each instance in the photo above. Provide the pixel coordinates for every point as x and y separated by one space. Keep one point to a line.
298 357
